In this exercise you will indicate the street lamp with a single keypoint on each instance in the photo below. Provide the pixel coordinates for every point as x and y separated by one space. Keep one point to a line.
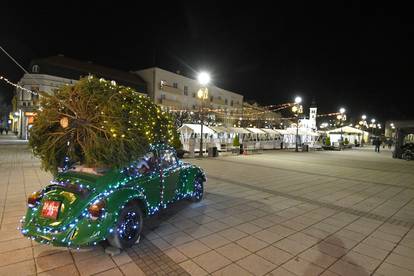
297 109
203 78
363 123
342 118
372 125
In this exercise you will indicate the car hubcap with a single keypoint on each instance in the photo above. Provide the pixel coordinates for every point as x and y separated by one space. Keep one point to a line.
129 227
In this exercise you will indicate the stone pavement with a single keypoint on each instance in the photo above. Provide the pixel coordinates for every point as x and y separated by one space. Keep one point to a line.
11 139
274 213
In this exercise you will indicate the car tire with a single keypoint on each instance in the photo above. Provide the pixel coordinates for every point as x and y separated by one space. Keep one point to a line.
198 191
128 227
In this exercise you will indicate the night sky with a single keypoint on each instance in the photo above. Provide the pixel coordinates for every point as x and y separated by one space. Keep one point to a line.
342 54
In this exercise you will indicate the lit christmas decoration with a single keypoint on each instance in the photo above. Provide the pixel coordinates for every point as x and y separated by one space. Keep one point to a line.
97 123
91 206
87 134
17 85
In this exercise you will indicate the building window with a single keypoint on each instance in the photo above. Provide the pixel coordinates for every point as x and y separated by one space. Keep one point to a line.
185 90
226 101
194 107
35 68
211 98
231 103
194 94
162 96
162 83
175 85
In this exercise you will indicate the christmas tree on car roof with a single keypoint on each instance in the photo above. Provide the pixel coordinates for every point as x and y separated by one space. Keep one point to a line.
98 124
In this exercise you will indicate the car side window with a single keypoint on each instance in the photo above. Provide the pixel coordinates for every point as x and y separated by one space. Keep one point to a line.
168 159
144 165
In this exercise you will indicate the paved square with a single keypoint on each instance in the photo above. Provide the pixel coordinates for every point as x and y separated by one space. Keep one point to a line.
272 213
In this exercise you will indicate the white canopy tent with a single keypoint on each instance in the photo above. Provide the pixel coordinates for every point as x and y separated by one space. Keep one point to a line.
272 139
353 135
239 130
255 130
305 136
270 131
190 136
196 129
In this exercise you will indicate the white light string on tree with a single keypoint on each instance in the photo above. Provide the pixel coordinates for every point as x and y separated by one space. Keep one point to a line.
17 86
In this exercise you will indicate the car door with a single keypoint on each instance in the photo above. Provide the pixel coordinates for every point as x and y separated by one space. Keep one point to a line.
170 174
149 180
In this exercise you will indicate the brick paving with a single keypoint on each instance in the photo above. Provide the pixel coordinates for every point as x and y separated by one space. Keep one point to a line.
274 213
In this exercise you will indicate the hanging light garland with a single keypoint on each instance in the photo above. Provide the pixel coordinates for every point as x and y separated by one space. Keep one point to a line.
17 85
328 114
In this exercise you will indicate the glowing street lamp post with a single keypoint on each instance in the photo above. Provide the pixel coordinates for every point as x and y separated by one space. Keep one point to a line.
363 124
202 94
297 109
372 126
341 117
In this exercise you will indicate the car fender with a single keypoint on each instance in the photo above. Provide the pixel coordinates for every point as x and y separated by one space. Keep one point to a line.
117 201
91 232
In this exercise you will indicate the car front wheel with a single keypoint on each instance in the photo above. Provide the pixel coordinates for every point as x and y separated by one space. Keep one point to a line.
128 227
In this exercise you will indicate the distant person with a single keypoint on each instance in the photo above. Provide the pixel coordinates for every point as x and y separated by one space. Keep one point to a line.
390 142
377 144
1 130
7 130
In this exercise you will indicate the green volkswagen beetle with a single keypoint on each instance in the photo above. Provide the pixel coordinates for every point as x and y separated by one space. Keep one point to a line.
81 208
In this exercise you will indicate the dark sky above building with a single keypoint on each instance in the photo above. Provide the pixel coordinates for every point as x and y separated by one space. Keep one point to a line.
340 53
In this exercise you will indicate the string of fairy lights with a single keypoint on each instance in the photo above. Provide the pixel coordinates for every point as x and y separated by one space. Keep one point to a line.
248 113
245 113
17 85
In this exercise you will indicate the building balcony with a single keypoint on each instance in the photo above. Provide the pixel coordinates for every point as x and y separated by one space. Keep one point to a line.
27 104
171 89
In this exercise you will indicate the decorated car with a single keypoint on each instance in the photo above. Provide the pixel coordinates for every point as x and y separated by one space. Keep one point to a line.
82 207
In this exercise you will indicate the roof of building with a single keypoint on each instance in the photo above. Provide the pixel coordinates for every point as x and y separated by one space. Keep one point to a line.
74 69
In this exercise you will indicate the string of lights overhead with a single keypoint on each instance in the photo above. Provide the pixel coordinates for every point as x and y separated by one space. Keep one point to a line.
328 114
17 85
235 112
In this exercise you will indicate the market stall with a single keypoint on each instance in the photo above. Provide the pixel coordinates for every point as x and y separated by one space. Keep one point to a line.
306 136
353 135
272 139
190 135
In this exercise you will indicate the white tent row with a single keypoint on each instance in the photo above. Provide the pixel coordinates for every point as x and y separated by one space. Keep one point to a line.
222 137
